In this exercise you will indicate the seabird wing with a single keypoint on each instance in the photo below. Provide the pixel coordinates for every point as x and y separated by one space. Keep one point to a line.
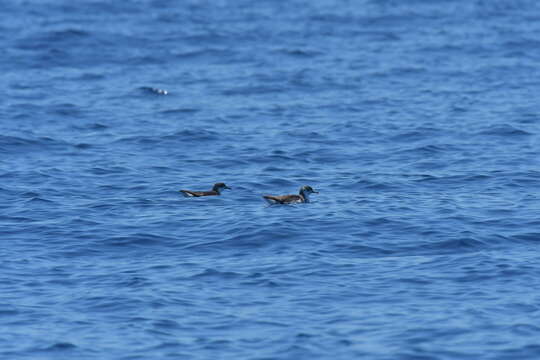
272 199
283 199
188 193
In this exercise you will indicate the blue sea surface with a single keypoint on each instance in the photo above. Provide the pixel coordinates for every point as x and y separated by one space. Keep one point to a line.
417 121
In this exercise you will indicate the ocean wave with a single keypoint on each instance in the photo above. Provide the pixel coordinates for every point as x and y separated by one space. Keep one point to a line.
212 54
59 346
11 143
136 240
153 90
180 111
47 39
504 130
418 134
299 53
253 90
216 275
177 137
431 149
527 237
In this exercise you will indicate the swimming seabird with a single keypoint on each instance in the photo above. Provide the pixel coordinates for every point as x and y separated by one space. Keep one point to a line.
216 190
302 197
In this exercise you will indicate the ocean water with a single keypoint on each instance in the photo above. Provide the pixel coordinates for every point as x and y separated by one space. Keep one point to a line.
417 121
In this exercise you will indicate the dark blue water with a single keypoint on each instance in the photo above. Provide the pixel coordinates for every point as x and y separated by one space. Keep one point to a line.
418 122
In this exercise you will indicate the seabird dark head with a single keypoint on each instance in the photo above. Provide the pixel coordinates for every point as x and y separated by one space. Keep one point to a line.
220 186
308 189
